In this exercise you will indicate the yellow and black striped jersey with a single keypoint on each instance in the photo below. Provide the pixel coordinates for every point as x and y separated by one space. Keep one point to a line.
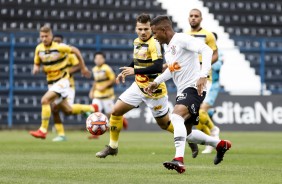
103 74
144 55
207 37
54 60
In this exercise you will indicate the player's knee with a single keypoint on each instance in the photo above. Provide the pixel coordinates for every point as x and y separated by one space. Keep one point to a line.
45 101
67 111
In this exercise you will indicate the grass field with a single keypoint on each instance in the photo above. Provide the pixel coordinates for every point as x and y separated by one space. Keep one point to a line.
255 157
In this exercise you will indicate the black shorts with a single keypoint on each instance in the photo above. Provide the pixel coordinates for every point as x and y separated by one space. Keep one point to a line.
192 101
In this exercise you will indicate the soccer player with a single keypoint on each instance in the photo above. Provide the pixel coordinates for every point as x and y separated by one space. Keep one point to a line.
146 66
73 65
205 123
102 91
190 78
53 57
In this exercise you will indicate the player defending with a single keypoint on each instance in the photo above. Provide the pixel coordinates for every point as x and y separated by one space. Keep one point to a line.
102 91
205 123
146 66
190 79
53 57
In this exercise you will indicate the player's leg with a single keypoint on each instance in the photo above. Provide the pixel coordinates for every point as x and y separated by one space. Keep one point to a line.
46 100
58 89
108 105
177 118
128 100
58 123
205 119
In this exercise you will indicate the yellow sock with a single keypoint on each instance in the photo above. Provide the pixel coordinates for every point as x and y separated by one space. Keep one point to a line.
45 116
115 128
170 128
79 108
60 129
205 119
58 124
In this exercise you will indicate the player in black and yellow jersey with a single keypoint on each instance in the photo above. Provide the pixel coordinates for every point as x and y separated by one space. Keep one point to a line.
53 57
146 66
205 123
73 66
102 91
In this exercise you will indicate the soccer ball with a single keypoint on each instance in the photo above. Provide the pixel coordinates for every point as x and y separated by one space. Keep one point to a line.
97 123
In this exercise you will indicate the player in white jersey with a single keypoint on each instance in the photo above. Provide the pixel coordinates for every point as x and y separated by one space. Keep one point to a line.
190 79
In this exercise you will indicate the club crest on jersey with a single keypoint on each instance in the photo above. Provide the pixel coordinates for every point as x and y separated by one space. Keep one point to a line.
182 96
173 50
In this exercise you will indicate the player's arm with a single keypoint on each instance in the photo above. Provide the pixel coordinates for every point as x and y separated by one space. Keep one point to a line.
73 61
166 75
84 70
211 42
214 56
36 65
193 44
153 69
91 92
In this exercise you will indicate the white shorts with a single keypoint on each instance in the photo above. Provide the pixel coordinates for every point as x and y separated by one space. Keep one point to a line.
105 105
62 88
133 96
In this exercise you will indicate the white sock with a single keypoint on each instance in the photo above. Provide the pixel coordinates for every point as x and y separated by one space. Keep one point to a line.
180 134
198 137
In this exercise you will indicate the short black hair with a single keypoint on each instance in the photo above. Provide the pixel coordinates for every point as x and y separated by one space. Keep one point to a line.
99 53
143 18
59 35
161 18
215 35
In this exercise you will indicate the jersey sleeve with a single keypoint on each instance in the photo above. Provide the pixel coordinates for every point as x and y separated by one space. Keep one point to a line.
36 56
110 73
155 50
64 48
73 60
210 41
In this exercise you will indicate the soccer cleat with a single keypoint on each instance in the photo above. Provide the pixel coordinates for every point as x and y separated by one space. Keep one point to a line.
59 138
107 151
194 149
38 134
125 123
176 165
208 149
221 148
93 137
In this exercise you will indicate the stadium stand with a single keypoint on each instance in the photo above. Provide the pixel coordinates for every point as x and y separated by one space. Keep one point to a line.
254 25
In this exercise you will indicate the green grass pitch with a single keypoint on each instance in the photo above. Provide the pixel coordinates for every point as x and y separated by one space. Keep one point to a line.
255 157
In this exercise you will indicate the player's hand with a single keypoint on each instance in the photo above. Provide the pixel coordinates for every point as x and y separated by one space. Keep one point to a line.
127 71
36 69
85 72
119 78
201 83
151 88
